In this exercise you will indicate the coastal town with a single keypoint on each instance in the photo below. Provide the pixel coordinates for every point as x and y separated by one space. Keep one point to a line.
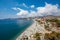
44 28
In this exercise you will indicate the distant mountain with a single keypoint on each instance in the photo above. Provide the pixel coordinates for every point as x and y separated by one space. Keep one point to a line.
45 17
51 17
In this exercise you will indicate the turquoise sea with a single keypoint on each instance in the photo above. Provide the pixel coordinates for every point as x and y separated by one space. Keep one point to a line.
10 29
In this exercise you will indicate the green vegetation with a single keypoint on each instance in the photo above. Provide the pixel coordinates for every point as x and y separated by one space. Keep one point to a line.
52 36
54 20
24 38
37 36
58 23
47 27
39 21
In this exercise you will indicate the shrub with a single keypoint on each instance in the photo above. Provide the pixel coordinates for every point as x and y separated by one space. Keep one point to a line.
24 38
47 27
52 20
37 36
52 36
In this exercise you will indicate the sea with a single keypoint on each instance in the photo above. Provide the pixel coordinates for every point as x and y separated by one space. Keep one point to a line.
11 29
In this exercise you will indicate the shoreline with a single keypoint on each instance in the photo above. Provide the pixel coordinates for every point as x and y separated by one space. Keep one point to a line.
24 32
32 29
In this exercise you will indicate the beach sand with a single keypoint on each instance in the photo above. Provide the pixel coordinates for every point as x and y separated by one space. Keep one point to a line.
35 27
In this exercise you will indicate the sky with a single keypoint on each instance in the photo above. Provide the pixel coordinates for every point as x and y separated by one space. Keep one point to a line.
28 8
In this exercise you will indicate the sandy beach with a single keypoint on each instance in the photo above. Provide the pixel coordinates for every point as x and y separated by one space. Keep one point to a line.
35 27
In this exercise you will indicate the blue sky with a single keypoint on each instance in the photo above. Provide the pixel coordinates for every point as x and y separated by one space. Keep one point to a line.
23 8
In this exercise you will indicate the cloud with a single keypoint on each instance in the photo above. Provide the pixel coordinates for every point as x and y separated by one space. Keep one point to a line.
22 12
32 14
32 6
17 8
14 8
24 5
48 9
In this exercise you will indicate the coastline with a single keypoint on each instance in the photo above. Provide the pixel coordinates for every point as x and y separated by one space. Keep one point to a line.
32 29
20 36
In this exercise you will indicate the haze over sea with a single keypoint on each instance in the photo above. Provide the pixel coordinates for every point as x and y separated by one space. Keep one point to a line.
10 29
